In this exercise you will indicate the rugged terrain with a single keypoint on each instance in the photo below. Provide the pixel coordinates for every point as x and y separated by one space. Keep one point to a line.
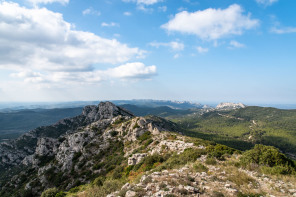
108 151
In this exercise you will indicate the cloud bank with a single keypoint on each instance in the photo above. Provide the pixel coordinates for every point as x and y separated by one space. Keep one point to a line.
40 46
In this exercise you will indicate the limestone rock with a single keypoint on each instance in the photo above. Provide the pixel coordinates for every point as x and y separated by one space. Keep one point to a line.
136 158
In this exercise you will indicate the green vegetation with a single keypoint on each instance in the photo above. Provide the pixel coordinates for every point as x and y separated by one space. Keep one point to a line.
15 123
175 160
145 136
242 128
51 192
219 151
271 160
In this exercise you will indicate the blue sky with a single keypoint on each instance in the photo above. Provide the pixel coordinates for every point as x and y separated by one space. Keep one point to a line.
197 50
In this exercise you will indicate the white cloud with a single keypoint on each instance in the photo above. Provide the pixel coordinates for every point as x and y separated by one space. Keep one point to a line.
131 70
266 2
91 11
127 13
235 44
144 2
35 2
283 30
40 46
135 70
202 50
112 24
174 45
212 24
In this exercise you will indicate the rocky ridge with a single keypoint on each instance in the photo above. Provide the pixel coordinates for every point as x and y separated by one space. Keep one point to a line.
106 151
229 106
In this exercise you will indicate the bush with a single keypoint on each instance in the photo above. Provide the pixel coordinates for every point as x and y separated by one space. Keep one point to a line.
76 156
144 136
272 160
219 151
149 161
113 133
211 161
51 192
99 181
189 155
200 168
61 194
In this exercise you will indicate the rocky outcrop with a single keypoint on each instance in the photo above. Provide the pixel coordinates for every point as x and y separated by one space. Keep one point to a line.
136 158
229 106
177 146
13 152
76 147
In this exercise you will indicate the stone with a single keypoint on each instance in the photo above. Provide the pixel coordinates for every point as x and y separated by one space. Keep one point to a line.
136 158
227 186
130 193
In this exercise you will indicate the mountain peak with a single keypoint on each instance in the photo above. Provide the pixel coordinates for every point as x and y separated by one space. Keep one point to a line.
105 110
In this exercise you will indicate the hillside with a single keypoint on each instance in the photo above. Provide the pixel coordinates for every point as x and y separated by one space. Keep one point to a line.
244 127
15 123
161 111
107 151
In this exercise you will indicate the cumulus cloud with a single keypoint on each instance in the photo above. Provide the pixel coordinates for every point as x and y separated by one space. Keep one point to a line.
235 44
266 2
202 50
174 45
35 2
41 39
40 46
212 24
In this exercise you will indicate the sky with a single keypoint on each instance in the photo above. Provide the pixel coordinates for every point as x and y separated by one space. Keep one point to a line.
194 50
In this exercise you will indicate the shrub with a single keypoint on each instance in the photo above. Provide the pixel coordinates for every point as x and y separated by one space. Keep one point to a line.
200 168
51 192
113 133
61 194
99 181
219 151
76 156
149 161
145 136
211 161
189 155
271 158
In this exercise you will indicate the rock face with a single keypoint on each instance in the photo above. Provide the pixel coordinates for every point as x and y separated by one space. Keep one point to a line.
229 106
74 147
136 158
13 152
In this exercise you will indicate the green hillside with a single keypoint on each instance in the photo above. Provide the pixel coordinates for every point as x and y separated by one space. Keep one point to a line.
13 124
244 127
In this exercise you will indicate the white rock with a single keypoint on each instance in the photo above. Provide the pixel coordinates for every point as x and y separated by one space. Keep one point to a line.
227 186
130 193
